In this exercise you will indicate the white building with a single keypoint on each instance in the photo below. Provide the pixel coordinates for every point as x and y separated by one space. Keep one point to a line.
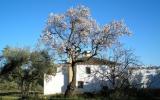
85 80
146 77
89 78
56 84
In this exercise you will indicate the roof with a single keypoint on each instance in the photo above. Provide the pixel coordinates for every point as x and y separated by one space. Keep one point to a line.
147 68
95 61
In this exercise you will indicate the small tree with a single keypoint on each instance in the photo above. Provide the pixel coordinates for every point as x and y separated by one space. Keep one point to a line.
70 34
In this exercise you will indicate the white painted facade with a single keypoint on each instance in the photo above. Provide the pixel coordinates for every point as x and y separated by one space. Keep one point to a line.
146 77
94 82
56 84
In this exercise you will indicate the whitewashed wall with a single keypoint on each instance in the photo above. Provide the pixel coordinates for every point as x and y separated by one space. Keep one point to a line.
92 82
58 83
146 78
55 84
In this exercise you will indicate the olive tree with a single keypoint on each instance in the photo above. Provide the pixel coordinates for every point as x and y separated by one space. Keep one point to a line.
70 34
11 58
30 70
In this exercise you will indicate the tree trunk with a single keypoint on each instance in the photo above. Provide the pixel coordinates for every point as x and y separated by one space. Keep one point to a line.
22 89
72 85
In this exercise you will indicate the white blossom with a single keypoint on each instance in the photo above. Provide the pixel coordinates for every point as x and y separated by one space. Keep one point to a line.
76 28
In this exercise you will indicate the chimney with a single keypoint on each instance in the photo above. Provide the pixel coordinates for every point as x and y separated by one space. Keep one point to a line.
86 53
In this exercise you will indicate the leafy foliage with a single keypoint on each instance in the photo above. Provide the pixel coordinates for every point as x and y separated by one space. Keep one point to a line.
26 68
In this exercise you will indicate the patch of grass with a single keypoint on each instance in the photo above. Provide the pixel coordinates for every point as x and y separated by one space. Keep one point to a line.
75 97
9 97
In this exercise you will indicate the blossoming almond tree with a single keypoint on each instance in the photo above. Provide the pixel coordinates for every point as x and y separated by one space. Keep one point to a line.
71 33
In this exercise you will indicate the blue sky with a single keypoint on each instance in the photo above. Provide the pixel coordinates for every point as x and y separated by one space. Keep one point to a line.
22 21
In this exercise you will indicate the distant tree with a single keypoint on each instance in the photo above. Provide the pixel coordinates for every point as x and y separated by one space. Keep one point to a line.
12 59
71 33
30 70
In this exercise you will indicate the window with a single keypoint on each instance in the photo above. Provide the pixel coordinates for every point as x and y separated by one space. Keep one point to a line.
80 84
147 71
88 70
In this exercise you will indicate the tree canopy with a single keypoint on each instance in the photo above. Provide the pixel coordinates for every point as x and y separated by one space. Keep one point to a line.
74 32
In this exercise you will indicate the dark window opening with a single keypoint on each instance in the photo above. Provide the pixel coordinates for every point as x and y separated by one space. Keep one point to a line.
88 70
80 84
